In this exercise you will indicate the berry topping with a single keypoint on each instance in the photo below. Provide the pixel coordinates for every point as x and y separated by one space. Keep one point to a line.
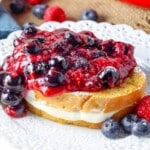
39 10
98 53
13 81
61 46
34 2
108 46
59 63
76 61
109 76
54 13
128 122
141 128
89 14
111 128
54 78
16 111
90 42
38 68
17 6
8 97
81 62
73 38
32 46
143 108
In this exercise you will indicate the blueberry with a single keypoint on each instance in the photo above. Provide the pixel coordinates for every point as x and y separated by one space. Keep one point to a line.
38 10
32 47
90 42
28 24
61 46
111 129
108 46
29 28
73 38
89 14
109 76
59 63
10 98
128 121
81 62
2 76
17 6
13 81
54 78
16 111
98 53
141 128
38 68
41 39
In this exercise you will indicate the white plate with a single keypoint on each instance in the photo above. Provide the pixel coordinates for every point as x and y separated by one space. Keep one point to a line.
35 133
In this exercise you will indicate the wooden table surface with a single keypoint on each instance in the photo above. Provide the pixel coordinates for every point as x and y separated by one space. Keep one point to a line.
112 11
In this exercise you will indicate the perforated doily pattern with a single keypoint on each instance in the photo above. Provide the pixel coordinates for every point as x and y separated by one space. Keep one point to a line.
35 133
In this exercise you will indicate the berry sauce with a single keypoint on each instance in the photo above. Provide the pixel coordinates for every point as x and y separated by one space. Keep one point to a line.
65 61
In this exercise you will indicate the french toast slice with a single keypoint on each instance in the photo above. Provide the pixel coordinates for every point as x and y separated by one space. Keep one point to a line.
113 102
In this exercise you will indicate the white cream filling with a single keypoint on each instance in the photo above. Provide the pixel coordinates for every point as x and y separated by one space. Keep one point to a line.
93 116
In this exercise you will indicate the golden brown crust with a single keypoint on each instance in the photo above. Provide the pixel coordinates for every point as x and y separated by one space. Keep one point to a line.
123 98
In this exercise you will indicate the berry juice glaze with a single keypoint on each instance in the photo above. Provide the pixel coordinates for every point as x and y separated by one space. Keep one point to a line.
65 61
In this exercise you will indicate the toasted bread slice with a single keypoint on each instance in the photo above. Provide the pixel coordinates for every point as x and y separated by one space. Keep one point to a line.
115 102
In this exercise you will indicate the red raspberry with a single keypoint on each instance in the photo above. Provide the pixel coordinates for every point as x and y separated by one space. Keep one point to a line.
54 13
143 108
34 2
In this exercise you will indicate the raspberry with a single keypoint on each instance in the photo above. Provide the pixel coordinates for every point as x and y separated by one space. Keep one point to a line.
54 13
34 2
143 108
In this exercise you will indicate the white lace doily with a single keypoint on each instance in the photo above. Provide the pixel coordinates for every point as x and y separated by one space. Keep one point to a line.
35 133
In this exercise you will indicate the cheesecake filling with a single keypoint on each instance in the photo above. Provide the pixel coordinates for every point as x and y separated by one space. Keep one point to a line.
92 116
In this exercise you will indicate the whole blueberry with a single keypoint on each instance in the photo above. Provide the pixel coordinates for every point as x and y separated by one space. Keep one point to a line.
89 14
141 128
16 111
59 63
13 81
28 24
90 42
38 10
29 28
38 68
17 6
109 76
81 62
98 53
128 121
54 78
111 129
8 97
73 38
2 76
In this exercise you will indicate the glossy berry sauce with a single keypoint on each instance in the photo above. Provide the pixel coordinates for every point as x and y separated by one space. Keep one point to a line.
65 61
